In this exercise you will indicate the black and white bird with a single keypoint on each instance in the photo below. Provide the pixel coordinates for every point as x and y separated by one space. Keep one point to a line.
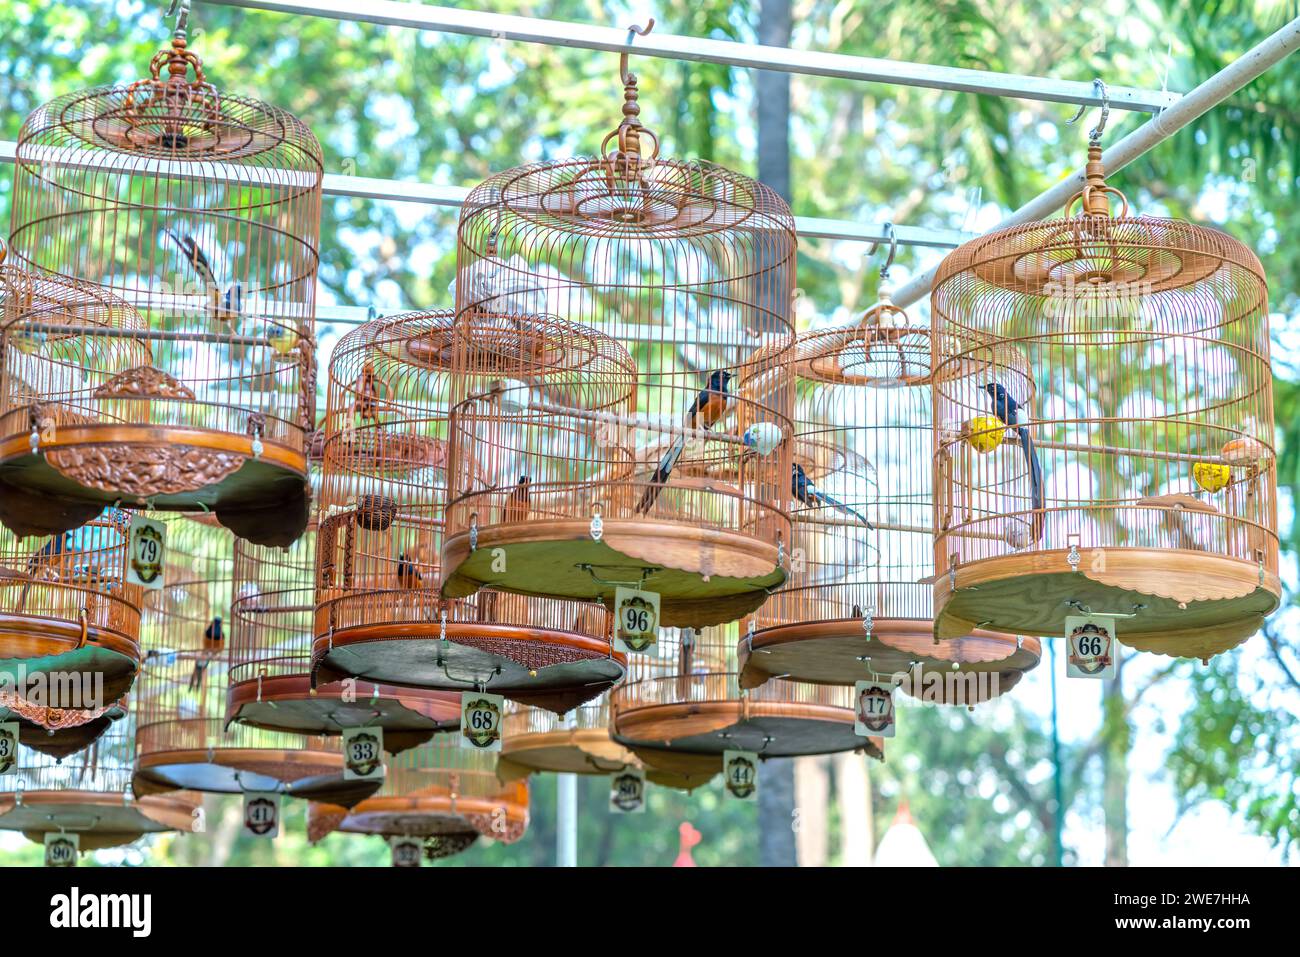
225 305
1007 409
803 489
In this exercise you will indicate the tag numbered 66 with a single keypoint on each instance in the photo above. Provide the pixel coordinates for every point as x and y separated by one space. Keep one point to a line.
1091 650
480 720
636 620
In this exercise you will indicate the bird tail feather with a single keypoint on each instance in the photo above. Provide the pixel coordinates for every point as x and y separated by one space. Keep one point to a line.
660 477
1035 482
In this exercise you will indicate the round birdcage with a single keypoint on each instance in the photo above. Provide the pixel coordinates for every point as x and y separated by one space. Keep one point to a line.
184 738
200 210
89 795
273 607
683 707
858 603
677 487
534 740
442 793
1140 481
385 459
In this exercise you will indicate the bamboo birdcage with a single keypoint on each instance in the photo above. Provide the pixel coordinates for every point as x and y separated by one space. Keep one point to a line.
200 210
271 683
535 740
69 630
680 710
858 604
691 265
1141 480
383 490
447 795
184 740
89 794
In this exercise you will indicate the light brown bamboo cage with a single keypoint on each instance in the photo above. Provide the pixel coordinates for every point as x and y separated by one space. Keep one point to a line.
201 210
184 740
69 631
858 603
535 740
271 684
89 794
644 478
383 489
680 710
1146 343
448 795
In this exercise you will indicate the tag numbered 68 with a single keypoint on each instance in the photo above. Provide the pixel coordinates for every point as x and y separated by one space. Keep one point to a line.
636 620
480 720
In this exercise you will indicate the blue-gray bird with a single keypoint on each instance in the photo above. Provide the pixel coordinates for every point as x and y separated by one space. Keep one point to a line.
1006 408
804 490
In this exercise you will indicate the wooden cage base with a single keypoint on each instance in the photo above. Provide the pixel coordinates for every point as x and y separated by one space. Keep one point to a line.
101 818
566 751
409 716
548 669
317 775
46 646
429 814
265 500
703 577
832 653
774 729
59 743
1194 604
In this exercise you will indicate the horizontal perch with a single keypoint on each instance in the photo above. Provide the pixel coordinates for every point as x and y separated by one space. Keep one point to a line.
158 335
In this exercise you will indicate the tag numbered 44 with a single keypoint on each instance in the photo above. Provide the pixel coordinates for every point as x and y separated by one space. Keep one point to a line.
636 620
1090 647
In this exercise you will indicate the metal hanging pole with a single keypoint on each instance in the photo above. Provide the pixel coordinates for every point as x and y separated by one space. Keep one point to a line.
1058 810
586 36
1150 134
566 812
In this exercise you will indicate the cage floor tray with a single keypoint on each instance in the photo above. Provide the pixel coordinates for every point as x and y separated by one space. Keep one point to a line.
101 818
44 646
314 774
565 751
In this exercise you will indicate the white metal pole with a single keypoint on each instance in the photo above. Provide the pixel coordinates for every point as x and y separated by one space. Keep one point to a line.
559 33
1156 130
566 824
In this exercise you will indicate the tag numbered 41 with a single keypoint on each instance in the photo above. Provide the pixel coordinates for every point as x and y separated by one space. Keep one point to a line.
636 619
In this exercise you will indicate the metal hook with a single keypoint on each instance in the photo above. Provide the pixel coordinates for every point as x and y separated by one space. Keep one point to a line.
1094 134
180 9
622 59
893 250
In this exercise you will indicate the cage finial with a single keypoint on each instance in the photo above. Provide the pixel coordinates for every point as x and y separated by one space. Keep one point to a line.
628 158
1094 193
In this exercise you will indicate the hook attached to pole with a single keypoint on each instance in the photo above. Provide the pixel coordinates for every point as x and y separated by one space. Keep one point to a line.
180 9
633 30
1094 134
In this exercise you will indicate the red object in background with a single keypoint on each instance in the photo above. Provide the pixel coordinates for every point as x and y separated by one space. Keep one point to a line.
689 838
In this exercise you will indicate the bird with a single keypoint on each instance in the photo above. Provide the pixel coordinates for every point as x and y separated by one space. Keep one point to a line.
516 507
212 635
196 676
807 493
44 561
1006 408
370 393
705 412
408 576
226 306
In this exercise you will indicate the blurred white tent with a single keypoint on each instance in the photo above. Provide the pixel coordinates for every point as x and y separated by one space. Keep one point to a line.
903 844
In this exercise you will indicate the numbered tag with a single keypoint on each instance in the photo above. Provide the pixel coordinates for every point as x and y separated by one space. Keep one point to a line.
480 720
1091 651
8 747
407 851
627 791
363 754
740 774
61 849
636 619
148 550
874 714
262 813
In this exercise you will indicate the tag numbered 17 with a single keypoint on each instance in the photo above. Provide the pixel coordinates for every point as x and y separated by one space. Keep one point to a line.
636 619
873 713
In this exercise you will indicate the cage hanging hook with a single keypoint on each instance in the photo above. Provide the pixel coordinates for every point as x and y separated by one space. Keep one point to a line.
892 238
1094 134
180 9
633 30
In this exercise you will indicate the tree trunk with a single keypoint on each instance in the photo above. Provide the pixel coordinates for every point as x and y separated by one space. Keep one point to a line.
1116 735
857 825
812 792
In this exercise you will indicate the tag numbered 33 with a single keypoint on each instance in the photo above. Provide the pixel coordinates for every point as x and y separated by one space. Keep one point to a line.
480 720
636 619
8 747
363 754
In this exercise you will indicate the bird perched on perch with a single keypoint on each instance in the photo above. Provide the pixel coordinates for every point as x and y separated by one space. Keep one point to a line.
807 493
1006 408
225 306
705 412
370 394
516 507
213 636
408 571
43 564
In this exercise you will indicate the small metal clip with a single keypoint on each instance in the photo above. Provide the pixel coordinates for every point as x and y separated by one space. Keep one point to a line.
597 524
442 625
36 439
780 552
473 532
1073 557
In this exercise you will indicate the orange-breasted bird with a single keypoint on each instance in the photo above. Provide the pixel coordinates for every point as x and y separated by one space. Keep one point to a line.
705 412
516 507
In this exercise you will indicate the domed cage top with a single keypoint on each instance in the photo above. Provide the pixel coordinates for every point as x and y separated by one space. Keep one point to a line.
385 461
1137 474
691 265
69 623
200 210
682 708
184 740
88 794
435 791
271 682
858 604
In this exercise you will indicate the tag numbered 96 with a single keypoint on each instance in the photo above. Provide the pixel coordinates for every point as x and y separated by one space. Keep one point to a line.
636 619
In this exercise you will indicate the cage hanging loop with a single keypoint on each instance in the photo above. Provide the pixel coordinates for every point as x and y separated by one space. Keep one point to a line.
1094 134
892 238
180 9
629 157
